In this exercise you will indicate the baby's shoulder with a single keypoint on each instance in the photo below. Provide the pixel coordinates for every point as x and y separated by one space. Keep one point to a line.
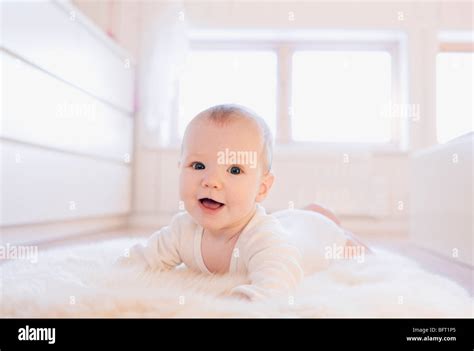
182 223
267 232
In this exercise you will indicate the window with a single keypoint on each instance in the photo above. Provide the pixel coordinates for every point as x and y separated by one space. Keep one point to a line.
213 77
307 91
454 91
340 96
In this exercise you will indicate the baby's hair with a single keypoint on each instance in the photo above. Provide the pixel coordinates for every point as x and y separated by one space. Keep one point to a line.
226 113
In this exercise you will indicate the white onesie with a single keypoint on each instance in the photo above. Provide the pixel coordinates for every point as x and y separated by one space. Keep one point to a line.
265 252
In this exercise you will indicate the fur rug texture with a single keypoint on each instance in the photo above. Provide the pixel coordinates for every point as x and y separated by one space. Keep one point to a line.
82 281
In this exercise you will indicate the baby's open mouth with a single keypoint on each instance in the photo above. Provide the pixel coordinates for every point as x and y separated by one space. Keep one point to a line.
210 203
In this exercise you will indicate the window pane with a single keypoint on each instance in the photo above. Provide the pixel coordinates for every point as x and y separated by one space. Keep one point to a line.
215 77
340 96
454 94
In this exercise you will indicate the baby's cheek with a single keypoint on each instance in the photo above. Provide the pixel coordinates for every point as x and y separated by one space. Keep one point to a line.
244 195
185 186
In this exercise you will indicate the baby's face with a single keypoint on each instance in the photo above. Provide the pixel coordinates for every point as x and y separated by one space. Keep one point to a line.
221 175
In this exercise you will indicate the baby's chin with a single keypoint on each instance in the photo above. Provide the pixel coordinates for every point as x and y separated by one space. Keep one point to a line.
208 220
212 225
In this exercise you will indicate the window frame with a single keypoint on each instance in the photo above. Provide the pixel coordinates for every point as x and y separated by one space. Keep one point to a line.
284 50
450 43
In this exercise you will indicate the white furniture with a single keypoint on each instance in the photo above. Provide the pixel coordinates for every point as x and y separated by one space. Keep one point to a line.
66 124
441 199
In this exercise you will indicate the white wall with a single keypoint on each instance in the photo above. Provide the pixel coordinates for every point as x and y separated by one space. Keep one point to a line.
120 20
67 127
442 195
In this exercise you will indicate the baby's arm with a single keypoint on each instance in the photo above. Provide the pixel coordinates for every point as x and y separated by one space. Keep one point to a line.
274 269
161 250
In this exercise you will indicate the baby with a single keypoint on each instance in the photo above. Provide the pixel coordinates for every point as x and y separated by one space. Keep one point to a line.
225 172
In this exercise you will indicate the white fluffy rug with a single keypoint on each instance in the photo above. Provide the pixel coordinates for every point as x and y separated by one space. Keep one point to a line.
81 281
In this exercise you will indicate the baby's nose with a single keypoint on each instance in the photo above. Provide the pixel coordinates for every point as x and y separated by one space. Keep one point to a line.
211 181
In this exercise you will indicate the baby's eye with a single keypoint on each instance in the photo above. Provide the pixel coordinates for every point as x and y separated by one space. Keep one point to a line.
197 165
234 170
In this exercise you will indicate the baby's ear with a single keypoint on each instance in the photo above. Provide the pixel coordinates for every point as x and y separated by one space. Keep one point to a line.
265 186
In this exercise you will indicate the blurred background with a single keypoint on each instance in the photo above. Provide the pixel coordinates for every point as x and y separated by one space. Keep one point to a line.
370 104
